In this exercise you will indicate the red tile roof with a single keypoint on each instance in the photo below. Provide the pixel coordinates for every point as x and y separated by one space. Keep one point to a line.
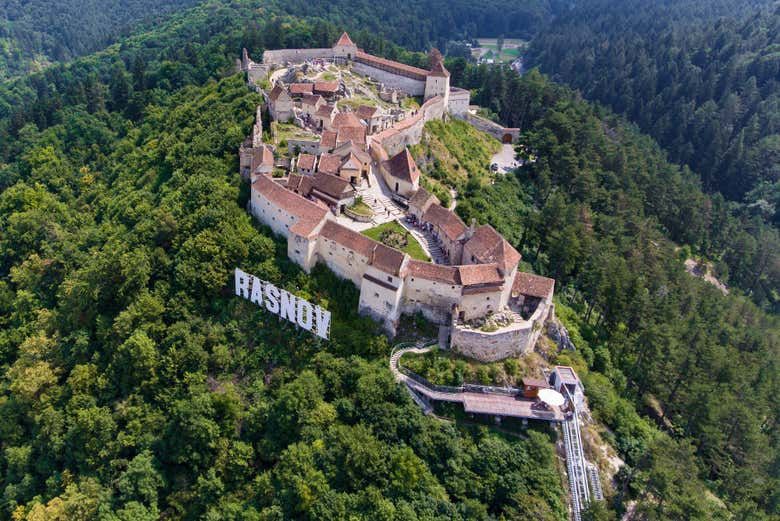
327 87
288 201
329 163
384 63
328 139
355 134
344 40
301 88
434 272
382 257
276 92
332 185
348 147
306 161
532 285
366 112
263 156
438 69
487 245
446 220
346 119
325 111
473 274
402 166
421 198
300 184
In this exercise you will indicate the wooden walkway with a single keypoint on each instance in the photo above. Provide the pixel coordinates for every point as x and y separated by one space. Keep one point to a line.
480 400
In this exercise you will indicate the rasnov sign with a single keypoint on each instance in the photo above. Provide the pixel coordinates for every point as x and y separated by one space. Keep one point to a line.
286 305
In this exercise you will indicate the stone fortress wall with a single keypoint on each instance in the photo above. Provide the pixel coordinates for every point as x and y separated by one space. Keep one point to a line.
517 339
388 79
282 56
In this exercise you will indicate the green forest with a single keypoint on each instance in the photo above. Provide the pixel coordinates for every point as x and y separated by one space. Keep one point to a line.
134 386
700 77
35 33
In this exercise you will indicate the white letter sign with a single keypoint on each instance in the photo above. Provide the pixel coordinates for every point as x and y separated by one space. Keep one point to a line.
283 304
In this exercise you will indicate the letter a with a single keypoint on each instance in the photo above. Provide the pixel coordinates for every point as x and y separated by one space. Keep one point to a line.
257 291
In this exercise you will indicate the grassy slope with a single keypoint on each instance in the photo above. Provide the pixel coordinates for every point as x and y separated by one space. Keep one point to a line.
454 154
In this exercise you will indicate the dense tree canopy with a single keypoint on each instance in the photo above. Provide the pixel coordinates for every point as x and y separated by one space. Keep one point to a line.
595 208
705 87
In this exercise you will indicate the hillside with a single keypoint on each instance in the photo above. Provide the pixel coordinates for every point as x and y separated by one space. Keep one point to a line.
705 87
35 33
136 387
454 155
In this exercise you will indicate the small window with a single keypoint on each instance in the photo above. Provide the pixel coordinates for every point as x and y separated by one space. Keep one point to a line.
487 298
389 279
298 252
376 295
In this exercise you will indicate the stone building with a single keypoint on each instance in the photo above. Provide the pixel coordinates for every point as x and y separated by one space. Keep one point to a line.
392 284
401 174
280 103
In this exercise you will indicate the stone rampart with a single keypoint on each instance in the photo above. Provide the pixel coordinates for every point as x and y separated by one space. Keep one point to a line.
281 56
392 81
503 134
487 346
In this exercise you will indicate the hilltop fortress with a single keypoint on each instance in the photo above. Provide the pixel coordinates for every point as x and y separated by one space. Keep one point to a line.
340 152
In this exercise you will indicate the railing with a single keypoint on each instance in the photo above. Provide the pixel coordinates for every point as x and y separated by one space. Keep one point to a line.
466 387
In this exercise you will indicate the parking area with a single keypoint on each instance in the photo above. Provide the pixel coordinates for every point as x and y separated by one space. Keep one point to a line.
505 159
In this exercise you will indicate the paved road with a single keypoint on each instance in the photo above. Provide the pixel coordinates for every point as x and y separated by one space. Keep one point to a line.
505 159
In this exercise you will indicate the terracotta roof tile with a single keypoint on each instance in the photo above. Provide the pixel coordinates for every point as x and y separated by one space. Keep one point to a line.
532 285
346 119
288 201
382 257
474 274
487 245
384 63
329 163
327 87
344 40
449 223
438 69
301 88
306 161
332 185
366 112
263 156
300 184
355 134
328 139
402 166
434 272
276 92
421 199
325 111
311 99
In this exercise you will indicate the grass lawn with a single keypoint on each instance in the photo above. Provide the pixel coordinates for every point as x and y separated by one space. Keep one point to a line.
412 247
361 208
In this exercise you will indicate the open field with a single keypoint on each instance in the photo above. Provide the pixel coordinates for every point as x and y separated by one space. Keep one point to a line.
489 49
